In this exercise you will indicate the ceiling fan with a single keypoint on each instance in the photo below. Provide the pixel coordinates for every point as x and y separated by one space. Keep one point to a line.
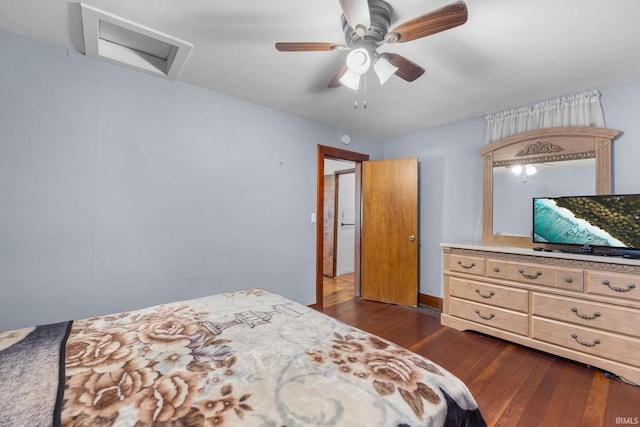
366 27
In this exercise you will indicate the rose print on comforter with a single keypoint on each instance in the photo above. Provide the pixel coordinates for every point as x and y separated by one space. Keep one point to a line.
151 369
249 358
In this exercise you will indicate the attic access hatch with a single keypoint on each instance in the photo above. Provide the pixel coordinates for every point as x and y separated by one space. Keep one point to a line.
124 42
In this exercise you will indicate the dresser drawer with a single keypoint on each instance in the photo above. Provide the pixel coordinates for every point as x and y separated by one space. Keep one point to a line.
571 279
499 296
531 273
589 341
592 315
613 284
496 268
466 264
491 316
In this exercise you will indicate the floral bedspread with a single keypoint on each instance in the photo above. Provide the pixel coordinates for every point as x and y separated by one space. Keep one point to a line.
249 358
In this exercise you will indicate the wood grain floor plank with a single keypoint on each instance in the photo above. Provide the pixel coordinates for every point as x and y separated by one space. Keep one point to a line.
596 402
512 415
568 399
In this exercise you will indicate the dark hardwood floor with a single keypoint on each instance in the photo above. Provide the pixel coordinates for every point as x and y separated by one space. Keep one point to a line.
514 386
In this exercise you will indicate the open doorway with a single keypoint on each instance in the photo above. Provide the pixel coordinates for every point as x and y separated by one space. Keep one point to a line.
355 159
386 258
339 236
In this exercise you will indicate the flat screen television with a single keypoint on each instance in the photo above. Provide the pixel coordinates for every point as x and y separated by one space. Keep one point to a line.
606 222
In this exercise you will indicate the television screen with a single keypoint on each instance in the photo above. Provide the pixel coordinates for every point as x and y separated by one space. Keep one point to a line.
611 221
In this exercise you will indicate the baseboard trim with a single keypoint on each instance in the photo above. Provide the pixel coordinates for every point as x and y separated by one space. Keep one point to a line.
430 301
424 299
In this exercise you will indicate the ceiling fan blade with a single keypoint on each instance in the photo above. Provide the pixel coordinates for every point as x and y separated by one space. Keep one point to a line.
356 12
442 19
407 70
307 46
335 81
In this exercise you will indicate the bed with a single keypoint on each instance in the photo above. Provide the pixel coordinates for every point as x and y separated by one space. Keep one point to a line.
248 358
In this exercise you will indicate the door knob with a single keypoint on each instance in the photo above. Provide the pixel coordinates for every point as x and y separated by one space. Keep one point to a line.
412 238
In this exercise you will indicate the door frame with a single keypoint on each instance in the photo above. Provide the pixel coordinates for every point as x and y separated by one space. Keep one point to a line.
326 152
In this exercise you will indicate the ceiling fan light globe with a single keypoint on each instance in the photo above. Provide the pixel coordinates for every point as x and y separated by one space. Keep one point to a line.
350 80
384 69
358 61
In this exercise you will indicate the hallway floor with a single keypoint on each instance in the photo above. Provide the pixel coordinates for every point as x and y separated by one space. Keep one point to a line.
337 289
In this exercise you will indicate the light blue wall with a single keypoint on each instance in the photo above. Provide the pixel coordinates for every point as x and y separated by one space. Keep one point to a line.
120 190
621 105
451 174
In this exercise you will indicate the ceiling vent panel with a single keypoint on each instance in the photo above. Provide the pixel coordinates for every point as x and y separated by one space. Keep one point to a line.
126 43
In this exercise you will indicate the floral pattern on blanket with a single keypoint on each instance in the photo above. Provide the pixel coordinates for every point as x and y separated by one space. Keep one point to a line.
156 364
389 368
250 358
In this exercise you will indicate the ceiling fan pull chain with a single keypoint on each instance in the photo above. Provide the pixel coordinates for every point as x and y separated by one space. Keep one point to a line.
364 104
364 95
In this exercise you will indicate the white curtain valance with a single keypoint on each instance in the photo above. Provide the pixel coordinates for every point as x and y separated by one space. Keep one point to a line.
582 109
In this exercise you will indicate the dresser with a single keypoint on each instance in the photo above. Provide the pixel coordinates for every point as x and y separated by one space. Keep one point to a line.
581 307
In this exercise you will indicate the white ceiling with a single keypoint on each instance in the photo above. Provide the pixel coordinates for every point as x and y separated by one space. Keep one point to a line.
509 53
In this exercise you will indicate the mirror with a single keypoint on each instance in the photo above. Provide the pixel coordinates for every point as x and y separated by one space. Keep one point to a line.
515 186
568 161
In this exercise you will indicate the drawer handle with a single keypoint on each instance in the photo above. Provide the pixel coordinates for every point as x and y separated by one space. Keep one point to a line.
489 317
530 276
617 289
568 279
586 316
585 343
491 293
496 269
468 266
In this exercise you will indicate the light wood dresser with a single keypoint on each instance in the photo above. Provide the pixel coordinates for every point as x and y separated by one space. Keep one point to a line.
581 307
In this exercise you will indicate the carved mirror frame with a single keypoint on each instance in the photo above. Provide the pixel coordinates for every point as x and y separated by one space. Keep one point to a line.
543 145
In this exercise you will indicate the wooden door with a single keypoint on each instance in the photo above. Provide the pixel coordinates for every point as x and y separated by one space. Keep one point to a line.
329 227
390 231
